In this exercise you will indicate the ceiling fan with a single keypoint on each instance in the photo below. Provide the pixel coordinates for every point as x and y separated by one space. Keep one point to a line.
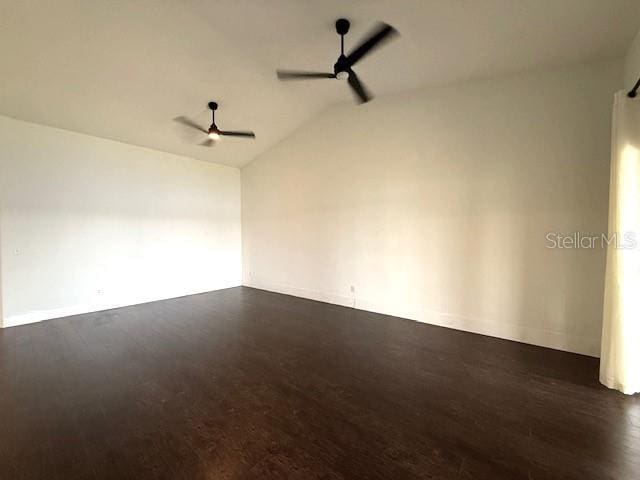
214 133
342 70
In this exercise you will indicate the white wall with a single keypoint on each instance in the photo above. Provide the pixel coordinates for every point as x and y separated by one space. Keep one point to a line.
632 63
435 206
88 224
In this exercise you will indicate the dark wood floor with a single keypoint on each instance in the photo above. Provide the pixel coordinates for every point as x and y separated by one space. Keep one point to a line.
246 384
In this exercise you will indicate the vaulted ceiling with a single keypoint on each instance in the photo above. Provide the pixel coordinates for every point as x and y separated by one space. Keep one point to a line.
123 69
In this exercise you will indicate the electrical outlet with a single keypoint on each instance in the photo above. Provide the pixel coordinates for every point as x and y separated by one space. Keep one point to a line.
99 292
17 251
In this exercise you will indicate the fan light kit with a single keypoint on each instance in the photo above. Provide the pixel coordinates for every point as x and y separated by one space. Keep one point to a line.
214 133
342 69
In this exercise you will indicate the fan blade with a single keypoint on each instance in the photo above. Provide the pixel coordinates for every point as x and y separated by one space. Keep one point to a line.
298 75
207 143
237 134
383 33
362 93
189 123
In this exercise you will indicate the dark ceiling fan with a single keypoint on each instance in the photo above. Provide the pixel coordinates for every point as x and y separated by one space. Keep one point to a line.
214 133
342 70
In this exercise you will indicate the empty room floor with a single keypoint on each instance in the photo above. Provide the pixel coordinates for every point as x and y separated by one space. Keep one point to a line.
247 384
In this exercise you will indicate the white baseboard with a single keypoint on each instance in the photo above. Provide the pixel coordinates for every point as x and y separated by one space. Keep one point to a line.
59 312
520 333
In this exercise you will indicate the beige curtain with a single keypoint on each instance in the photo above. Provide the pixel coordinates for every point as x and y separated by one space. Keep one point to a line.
620 354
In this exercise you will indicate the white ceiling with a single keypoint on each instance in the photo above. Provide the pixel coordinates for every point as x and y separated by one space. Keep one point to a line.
123 69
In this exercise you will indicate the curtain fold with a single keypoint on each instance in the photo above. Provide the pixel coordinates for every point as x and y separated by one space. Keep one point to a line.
620 352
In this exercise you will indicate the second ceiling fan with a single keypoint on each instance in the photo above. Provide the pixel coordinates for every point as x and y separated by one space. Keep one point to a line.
342 69
213 132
